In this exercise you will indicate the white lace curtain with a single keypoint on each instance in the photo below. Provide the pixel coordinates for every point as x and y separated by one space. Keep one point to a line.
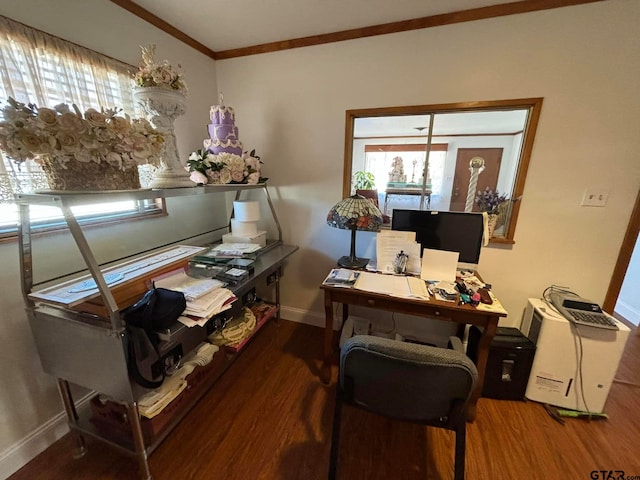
39 68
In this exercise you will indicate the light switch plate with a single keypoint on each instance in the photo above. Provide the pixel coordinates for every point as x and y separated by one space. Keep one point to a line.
595 197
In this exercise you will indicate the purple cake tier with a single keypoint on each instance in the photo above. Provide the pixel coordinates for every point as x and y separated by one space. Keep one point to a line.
221 114
223 132
228 146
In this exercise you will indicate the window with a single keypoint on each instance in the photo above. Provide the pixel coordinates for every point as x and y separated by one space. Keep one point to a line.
39 68
465 149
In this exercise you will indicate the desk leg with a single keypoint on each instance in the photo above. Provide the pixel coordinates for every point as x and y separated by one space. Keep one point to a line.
483 353
325 374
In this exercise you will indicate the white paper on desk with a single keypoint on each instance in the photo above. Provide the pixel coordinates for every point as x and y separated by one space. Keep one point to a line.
386 284
395 285
439 265
390 242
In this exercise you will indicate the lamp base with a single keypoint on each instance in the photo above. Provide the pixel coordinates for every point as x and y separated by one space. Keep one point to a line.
353 262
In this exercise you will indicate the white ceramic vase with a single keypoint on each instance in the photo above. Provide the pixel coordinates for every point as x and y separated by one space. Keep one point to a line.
162 106
492 221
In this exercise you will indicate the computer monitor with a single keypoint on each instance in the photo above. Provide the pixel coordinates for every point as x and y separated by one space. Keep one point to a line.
451 231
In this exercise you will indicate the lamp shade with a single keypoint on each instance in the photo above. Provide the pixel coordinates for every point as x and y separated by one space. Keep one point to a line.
355 213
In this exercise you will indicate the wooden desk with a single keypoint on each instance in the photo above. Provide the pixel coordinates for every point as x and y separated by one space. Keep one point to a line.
405 191
462 314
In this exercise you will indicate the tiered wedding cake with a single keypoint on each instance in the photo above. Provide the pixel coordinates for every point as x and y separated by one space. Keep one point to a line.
223 133
396 175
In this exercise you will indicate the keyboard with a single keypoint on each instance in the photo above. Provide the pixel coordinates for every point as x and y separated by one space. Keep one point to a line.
592 319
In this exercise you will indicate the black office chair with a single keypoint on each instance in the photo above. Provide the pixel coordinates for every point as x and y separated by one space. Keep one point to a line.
405 381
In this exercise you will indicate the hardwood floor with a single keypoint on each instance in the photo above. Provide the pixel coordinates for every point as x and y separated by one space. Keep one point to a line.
270 418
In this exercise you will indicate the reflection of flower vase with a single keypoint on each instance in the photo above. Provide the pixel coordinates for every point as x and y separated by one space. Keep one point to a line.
163 106
492 220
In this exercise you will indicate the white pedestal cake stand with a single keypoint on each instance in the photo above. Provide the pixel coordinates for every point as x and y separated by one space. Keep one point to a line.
163 106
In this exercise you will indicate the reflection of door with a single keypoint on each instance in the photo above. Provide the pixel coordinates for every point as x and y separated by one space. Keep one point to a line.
488 178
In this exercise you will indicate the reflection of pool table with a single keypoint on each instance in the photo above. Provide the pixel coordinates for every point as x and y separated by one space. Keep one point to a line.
406 189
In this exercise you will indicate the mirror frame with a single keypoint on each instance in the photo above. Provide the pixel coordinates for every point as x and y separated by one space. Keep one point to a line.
534 105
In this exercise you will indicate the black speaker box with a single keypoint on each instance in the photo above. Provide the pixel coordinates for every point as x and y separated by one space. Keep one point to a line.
509 363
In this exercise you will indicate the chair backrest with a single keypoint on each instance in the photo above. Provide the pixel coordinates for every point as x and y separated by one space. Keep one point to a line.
406 381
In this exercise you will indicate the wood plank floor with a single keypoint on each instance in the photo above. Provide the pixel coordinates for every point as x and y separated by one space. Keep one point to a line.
270 418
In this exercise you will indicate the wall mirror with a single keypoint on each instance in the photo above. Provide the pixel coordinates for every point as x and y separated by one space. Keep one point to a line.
438 157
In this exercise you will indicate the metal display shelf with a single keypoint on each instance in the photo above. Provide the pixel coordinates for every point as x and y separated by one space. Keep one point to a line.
91 350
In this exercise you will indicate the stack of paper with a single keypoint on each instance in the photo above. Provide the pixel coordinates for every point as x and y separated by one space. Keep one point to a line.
214 302
341 277
397 286
205 297
193 288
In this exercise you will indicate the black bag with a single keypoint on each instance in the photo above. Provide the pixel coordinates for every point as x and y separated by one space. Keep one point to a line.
157 310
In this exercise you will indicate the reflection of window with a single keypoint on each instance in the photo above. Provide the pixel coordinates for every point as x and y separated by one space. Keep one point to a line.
400 164
509 125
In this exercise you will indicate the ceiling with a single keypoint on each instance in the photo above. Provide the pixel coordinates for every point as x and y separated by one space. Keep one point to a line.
215 26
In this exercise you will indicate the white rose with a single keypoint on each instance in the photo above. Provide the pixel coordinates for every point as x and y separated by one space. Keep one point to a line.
70 121
253 178
30 141
120 125
83 156
95 118
114 159
225 176
214 177
48 116
6 129
141 152
237 175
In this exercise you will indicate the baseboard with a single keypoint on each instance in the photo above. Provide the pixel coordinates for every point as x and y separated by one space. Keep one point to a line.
21 453
304 316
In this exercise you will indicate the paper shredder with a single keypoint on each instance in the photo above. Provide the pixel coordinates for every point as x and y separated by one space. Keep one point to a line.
508 365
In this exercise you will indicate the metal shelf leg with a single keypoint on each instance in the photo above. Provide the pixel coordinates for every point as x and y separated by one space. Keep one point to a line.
72 416
138 440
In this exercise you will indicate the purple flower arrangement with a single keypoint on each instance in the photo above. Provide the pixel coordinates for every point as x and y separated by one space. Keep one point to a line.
490 200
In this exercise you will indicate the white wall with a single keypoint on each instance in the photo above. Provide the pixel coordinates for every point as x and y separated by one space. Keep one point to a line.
583 60
29 402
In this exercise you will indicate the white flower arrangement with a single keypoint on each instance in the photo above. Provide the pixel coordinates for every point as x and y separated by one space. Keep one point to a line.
162 75
224 168
29 133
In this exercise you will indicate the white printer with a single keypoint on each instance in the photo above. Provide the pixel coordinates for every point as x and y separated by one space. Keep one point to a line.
571 361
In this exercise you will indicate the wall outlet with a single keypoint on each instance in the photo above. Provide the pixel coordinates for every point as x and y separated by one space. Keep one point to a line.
595 197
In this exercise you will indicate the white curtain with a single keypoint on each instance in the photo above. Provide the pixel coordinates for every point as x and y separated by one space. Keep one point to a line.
39 68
